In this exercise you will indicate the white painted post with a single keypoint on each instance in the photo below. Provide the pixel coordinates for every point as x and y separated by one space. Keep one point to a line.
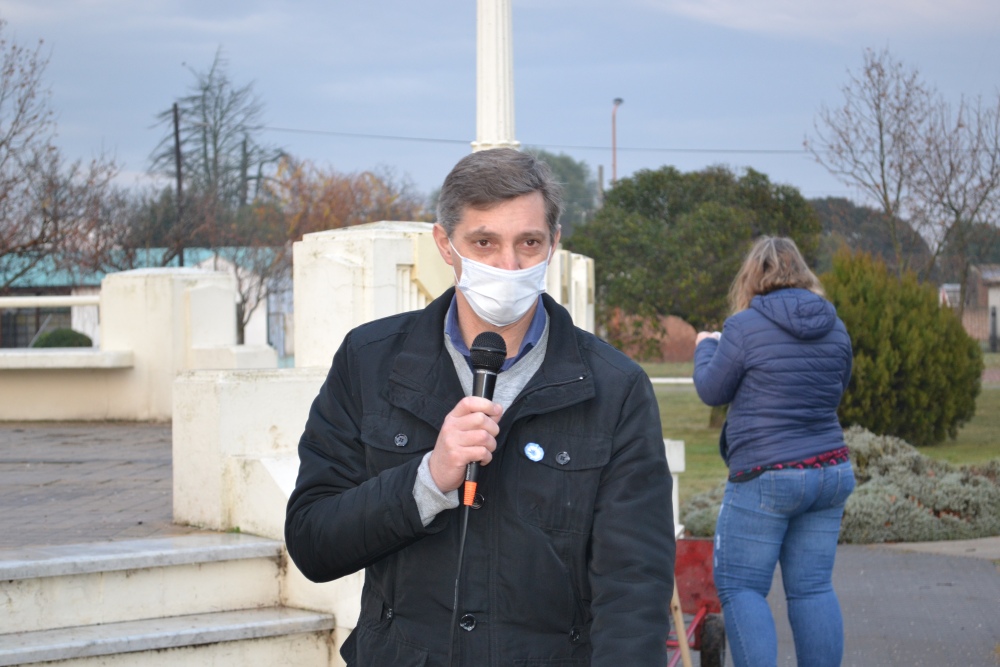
494 76
675 459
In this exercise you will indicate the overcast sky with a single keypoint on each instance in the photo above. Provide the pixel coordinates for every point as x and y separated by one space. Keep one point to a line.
737 82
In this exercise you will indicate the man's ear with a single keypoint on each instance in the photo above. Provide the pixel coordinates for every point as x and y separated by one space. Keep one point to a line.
443 246
555 239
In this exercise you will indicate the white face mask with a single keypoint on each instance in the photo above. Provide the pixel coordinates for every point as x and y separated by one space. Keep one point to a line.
500 296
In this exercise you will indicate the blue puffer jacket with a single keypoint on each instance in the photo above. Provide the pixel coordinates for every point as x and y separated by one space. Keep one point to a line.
782 365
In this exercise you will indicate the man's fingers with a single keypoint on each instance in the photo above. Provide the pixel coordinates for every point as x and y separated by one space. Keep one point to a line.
485 406
468 435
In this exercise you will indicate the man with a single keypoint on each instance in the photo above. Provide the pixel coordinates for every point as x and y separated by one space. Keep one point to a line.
569 551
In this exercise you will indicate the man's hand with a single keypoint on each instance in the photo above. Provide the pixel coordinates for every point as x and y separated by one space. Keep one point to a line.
468 434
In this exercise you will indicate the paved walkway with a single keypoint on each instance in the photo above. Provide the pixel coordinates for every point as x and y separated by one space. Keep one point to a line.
68 483
907 605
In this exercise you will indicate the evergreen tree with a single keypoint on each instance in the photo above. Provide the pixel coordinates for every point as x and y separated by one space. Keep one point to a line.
916 371
670 243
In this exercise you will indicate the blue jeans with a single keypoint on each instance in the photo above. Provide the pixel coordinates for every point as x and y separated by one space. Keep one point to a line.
793 517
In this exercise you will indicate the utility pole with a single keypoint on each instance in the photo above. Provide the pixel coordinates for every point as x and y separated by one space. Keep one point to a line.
614 141
180 191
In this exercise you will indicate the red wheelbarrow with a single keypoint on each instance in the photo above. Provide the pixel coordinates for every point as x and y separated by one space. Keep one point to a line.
696 599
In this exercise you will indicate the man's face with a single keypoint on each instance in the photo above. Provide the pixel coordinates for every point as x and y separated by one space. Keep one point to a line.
512 235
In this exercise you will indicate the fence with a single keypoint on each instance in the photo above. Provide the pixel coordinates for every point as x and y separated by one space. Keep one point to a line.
24 318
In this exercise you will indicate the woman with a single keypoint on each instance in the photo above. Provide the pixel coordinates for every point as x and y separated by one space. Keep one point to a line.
782 363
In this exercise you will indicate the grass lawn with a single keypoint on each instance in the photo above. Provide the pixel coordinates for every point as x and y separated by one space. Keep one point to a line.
979 440
670 369
685 417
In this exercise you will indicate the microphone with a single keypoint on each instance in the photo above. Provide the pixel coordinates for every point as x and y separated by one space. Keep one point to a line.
488 353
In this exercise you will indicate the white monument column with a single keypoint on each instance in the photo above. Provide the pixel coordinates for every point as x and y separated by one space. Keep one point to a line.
494 76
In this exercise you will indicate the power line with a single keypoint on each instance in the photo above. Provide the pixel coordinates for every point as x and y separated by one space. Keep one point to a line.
433 140
755 151
352 135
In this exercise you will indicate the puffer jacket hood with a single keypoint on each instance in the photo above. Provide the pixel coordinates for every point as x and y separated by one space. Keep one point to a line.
801 313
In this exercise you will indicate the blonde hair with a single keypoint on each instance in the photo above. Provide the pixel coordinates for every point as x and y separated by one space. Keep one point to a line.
773 263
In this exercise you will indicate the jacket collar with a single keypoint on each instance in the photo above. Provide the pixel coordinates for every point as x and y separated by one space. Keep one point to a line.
423 380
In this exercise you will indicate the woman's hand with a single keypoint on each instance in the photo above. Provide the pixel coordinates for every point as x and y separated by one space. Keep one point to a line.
702 335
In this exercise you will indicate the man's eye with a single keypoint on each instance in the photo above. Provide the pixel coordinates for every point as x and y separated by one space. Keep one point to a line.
482 243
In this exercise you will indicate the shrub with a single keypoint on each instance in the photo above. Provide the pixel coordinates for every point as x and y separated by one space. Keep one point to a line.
63 338
699 513
916 371
901 496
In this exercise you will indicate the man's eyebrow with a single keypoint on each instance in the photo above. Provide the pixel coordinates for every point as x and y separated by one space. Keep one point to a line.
480 231
483 232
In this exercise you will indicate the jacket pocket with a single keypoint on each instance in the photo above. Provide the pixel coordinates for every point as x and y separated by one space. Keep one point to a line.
557 479
367 648
390 442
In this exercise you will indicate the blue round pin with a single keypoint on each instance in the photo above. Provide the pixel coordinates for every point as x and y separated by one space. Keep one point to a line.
534 451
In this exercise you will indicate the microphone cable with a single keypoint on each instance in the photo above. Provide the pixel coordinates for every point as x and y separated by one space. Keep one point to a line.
458 578
488 352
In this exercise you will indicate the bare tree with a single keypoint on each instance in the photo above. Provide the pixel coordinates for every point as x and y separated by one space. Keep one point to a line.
47 207
956 180
315 198
225 167
223 163
871 141
26 129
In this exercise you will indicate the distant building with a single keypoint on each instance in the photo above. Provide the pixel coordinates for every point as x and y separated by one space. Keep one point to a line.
982 302
984 278
269 324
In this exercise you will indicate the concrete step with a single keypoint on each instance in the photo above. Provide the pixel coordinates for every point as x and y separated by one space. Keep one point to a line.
47 588
267 636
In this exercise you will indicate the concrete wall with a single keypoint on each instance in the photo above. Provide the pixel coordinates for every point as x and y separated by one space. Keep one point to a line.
346 277
154 323
235 440
255 330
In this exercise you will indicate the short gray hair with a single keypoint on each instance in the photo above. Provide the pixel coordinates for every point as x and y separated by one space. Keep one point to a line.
483 179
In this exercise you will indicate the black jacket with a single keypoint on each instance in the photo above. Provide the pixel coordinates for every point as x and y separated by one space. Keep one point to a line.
569 561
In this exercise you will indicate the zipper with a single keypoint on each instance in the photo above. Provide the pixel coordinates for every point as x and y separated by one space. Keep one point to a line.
551 385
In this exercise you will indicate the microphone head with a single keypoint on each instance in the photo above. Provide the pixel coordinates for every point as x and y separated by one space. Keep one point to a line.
488 352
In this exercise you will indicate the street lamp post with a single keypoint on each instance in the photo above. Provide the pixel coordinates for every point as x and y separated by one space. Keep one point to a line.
614 141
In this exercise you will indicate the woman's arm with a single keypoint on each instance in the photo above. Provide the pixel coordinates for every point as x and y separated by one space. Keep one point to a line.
718 365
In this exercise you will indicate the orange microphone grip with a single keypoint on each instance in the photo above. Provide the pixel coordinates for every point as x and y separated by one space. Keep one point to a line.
470 493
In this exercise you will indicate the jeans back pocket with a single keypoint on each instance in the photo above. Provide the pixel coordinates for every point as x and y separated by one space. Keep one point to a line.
784 491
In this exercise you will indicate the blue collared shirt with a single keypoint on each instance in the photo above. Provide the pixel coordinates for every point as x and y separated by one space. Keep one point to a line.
531 336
